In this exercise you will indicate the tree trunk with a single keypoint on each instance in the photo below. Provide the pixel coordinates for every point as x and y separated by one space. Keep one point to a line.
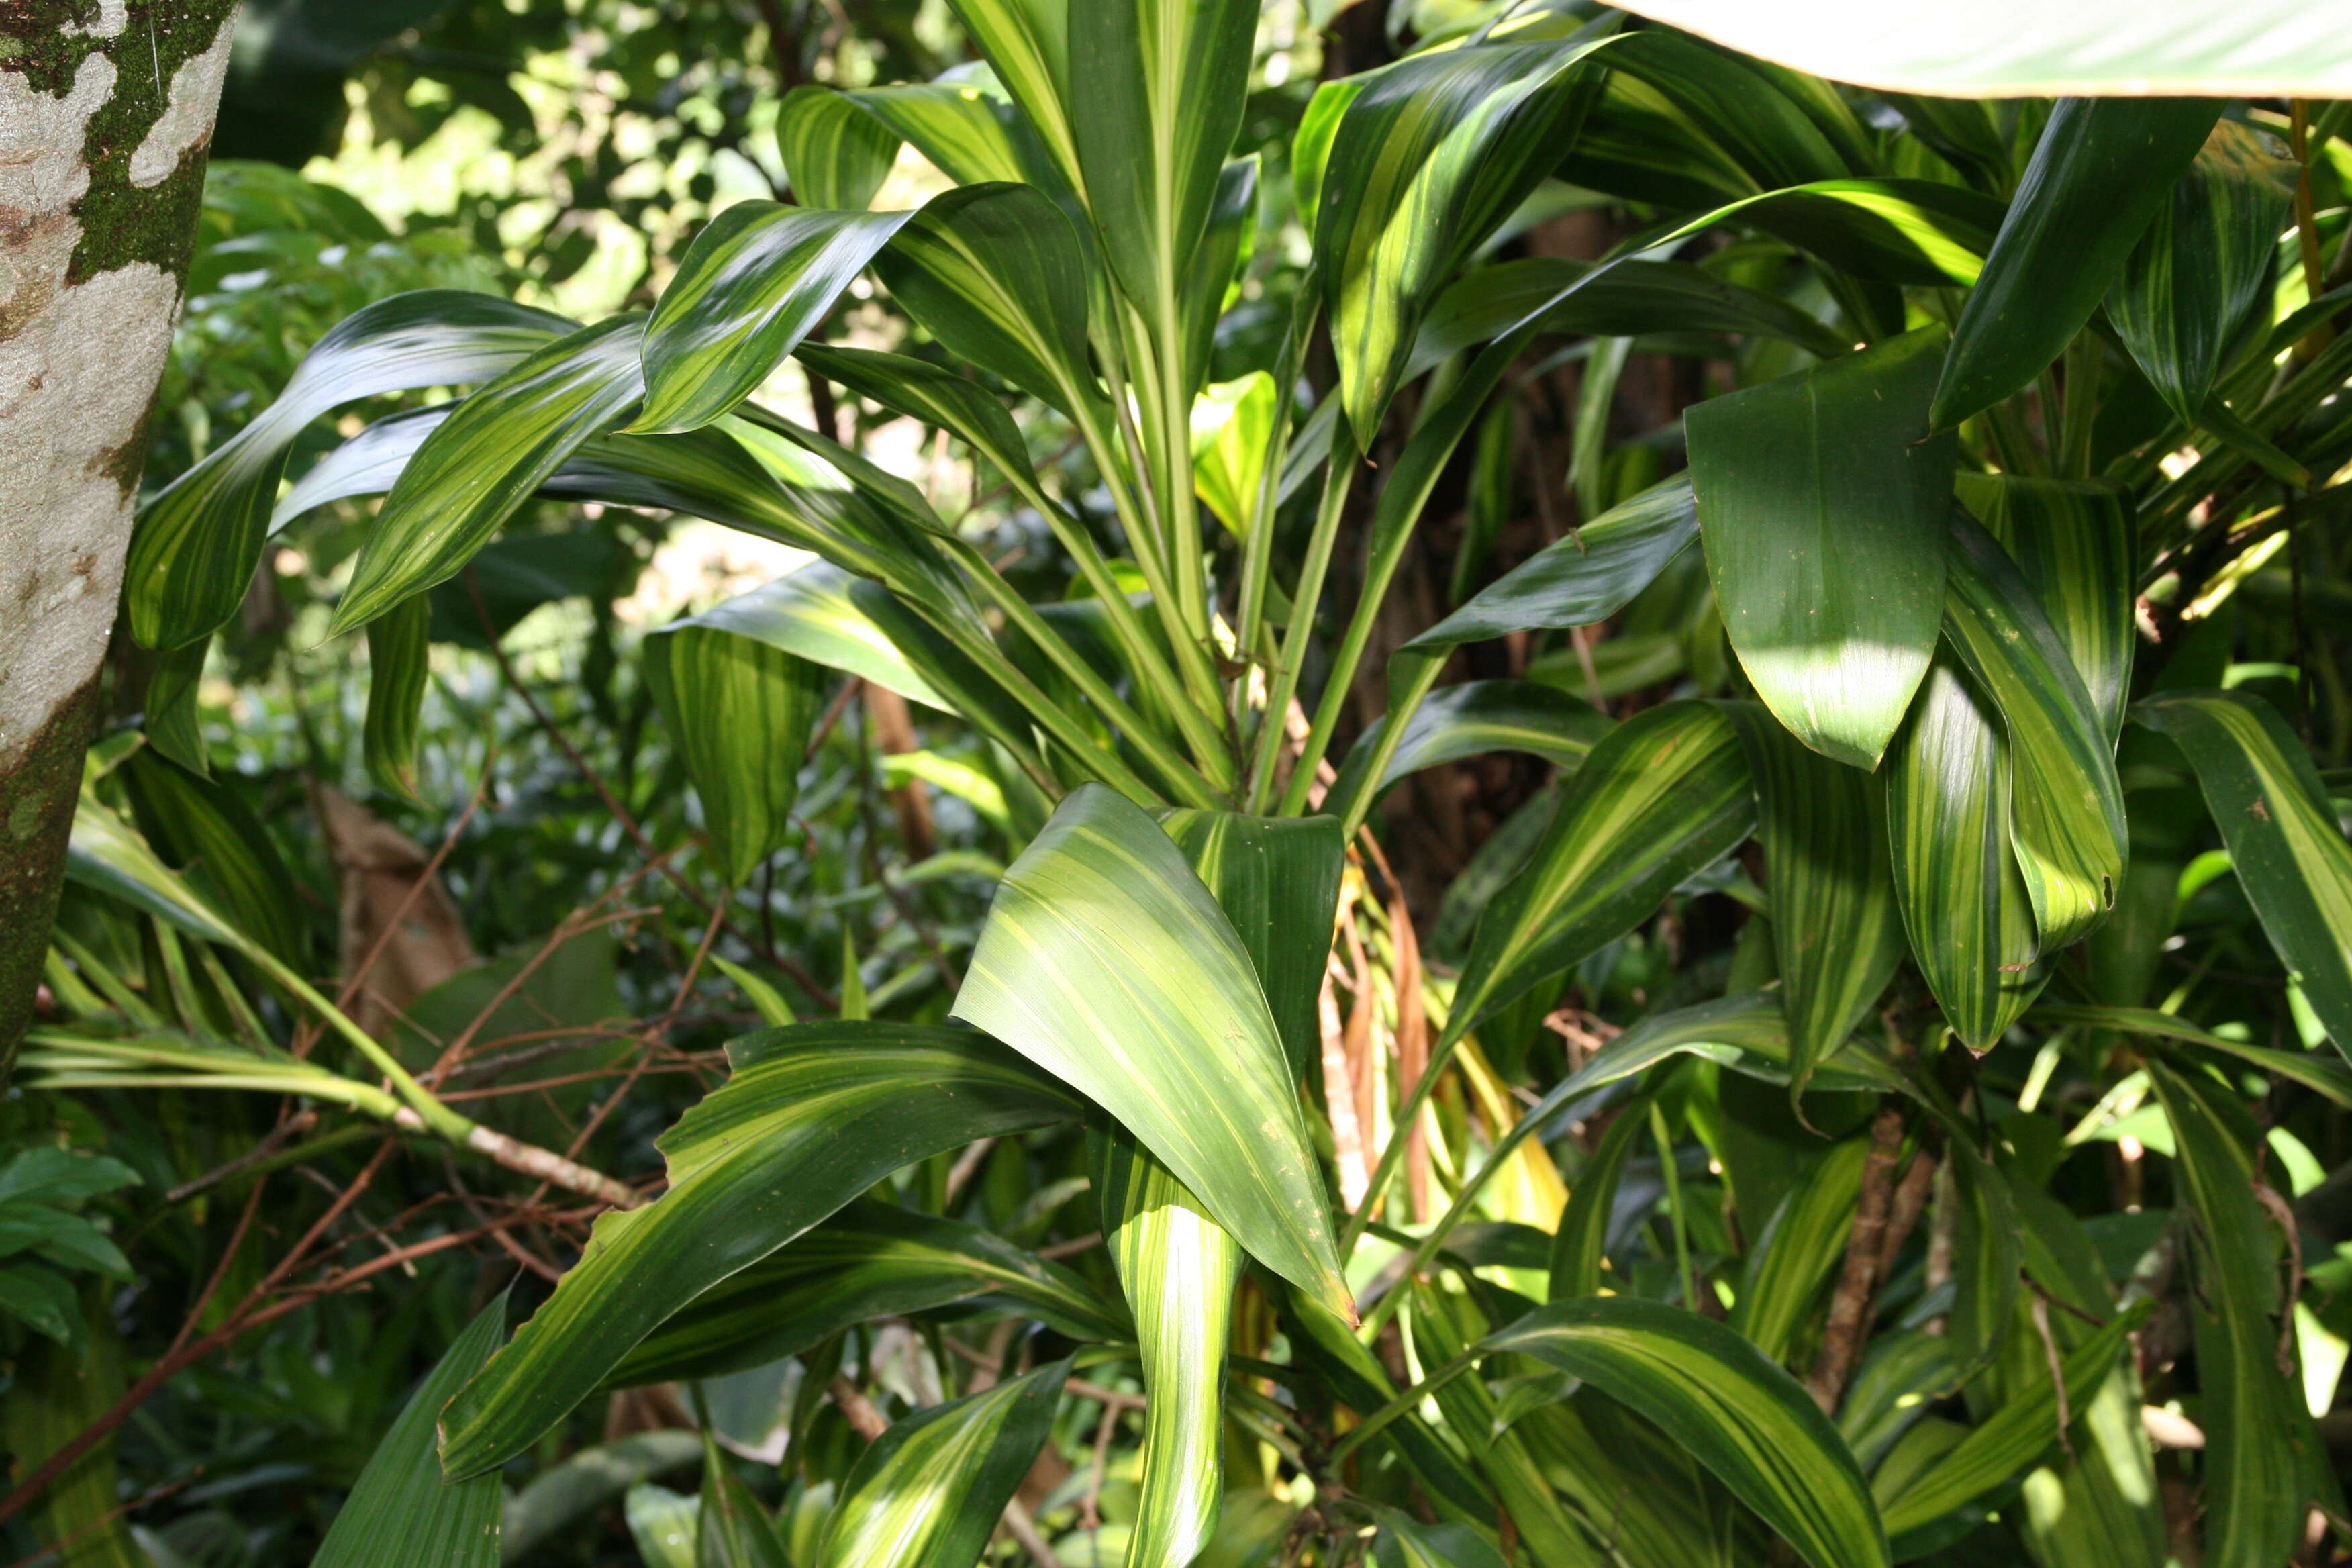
106 113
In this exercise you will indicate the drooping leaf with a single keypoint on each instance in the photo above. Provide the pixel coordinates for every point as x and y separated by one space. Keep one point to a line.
1406 1542
1721 1401
2072 542
1028 44
927 1493
834 154
732 1527
2066 800
403 1513
1947 784
1178 1268
923 391
1823 513
758 278
225 852
1332 1352
2321 1074
399 651
197 544
1663 796
1838 934
812 1116
1800 1249
967 129
1106 961
1778 128
2284 844
486 459
2100 172
1468 721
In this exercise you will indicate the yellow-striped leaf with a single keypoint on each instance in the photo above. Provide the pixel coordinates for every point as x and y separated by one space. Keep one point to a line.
834 154
1468 721
1787 1266
1232 424
399 654
2073 542
936 396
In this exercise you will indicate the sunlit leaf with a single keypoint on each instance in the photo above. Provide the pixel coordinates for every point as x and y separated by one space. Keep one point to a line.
834 154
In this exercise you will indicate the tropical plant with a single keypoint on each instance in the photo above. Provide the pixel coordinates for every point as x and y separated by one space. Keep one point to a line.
2012 405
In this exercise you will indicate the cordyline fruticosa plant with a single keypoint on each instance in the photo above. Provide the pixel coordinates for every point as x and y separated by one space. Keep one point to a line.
2006 394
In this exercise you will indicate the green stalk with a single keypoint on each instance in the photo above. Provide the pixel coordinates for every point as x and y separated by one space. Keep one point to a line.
1421 674
1337 478
2078 409
1257 553
1674 1180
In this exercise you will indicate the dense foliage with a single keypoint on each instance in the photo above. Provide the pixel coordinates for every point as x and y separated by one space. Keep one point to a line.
1160 783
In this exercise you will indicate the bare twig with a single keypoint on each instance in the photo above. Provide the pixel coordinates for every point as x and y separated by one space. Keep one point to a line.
1858 1283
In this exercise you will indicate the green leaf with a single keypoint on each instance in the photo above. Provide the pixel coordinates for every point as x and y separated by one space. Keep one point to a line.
1278 880
765 999
1897 1384
666 1528
1178 1268
931 393
2074 543
1332 1353
1406 1542
994 272
1823 513
759 277
488 457
1222 256
197 545
871 1260
1028 44
1664 796
1233 425
812 1116
967 129
2102 170
399 663
732 1529
2017 49
1428 155
2187 284
2284 844
224 851
1468 721
834 154
2322 1075
2010 1441
1777 128
586 1483
1799 1250
927 1493
1580 1243
402 1513
2066 800
739 709
2260 1452
1106 961
1720 1400
1839 935
1947 784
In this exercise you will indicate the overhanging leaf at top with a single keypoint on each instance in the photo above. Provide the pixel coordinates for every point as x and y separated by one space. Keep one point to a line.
2020 49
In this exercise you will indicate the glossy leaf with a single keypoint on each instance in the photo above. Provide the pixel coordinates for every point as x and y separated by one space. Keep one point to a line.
487 459
197 544
1178 1268
2073 544
1824 514
967 129
1471 719
1837 933
1664 796
923 391
927 1492
758 278
399 663
1331 1351
1777 127
1106 961
226 854
2066 800
1583 1235
1028 44
834 154
1214 279
1232 424
1947 784
1405 1543
2285 845
871 1260
1722 1402
741 710
2100 172
811 1118
1800 1249
402 1513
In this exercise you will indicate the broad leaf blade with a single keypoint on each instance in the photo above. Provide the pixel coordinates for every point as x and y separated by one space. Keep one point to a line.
2074 544
1581 580
1468 721
1106 961
834 154
814 613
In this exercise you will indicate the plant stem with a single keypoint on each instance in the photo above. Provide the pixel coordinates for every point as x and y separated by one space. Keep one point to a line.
1337 478
1673 1176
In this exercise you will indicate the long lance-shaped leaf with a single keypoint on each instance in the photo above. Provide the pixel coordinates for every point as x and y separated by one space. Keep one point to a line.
871 1260
1178 1268
968 128
732 1527
221 845
1665 795
1964 904
1468 721
1431 153
2019 49
2321 1074
197 544
1583 1239
2009 1441
1897 1384
1837 934
2289 854
1106 961
1800 1246
812 612
1330 1351
1578 581
487 459
1028 43
2074 543
740 710
1278 880
2066 801
929 1492
1406 1542
834 154
1824 514
2187 284
2100 172
1165 81
932 393
813 1116
1227 242
1233 427
1719 1398
399 651
758 278
402 1513
1777 127
2260 1452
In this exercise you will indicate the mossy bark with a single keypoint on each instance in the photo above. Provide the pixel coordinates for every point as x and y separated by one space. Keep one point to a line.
106 113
